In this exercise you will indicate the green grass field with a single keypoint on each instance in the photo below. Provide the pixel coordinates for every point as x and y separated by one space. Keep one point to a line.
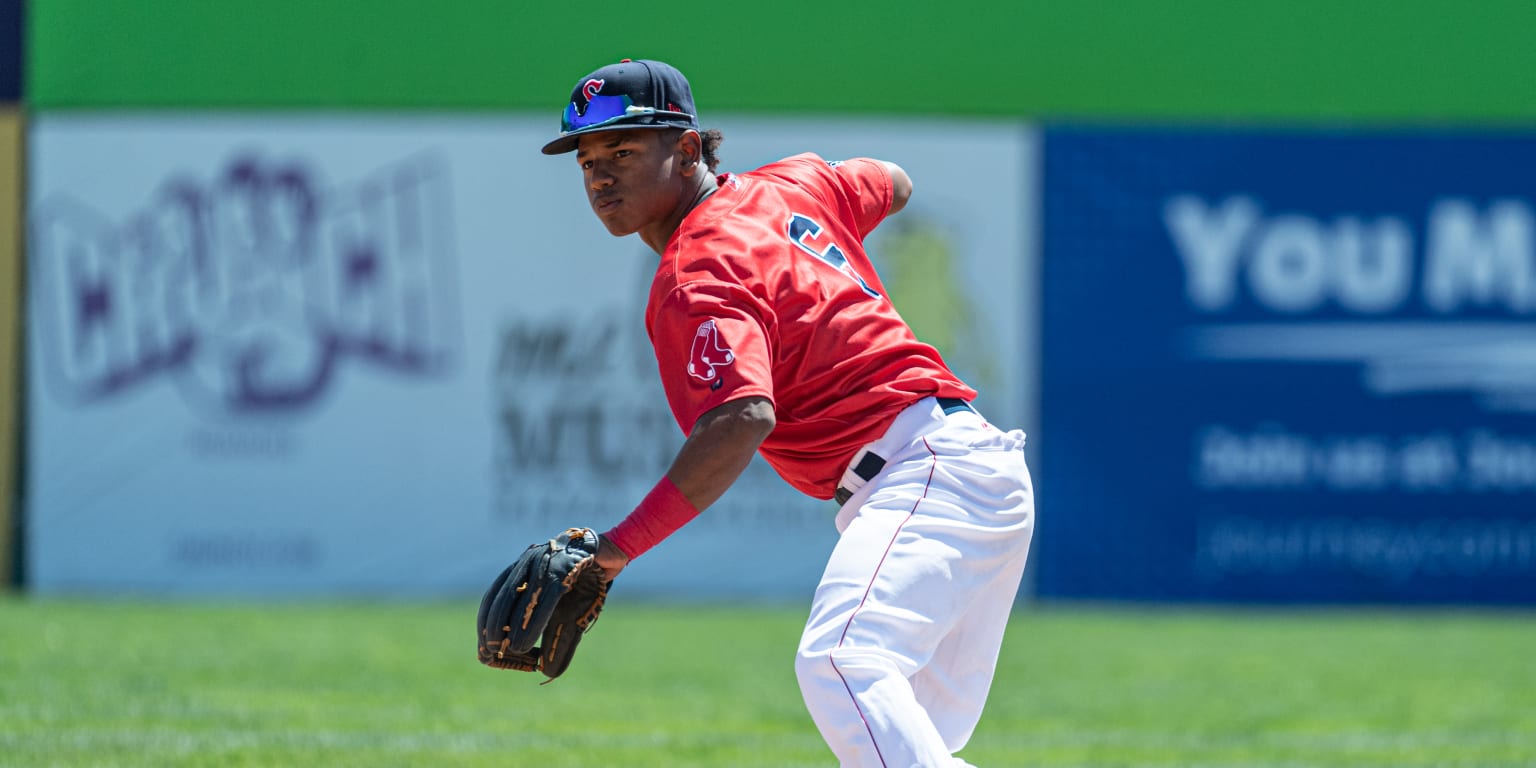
178 684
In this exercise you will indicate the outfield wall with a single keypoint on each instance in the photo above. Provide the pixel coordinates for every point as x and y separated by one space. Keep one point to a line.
310 315
1288 366
11 176
1295 61
269 353
11 131
379 355
12 50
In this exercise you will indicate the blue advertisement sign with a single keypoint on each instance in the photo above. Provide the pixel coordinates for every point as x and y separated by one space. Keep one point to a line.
1288 367
11 54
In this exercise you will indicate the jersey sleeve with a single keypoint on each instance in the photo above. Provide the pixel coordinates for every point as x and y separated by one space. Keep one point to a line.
865 185
711 348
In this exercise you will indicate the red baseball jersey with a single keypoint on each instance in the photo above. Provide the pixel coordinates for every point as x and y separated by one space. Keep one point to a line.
765 290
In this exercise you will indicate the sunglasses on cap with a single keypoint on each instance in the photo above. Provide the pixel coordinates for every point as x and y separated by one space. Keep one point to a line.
602 110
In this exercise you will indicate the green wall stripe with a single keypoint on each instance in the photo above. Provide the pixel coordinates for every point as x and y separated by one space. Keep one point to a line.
1299 60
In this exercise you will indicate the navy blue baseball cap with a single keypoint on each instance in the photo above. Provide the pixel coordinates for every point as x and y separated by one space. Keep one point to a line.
629 94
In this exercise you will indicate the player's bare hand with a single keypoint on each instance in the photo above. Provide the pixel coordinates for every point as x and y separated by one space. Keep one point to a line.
610 558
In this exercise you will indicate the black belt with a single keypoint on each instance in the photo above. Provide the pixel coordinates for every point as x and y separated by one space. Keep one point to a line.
870 465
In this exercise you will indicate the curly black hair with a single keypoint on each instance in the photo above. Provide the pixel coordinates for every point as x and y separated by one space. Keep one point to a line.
711 140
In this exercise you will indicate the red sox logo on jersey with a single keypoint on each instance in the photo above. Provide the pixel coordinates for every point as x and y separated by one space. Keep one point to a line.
585 93
709 352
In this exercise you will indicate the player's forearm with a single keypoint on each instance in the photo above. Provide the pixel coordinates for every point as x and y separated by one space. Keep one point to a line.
714 455
719 448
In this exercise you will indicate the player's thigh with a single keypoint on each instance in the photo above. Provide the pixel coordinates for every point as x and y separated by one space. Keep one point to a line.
912 558
954 685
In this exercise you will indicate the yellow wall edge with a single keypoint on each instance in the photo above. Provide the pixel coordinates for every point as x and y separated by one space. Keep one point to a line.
11 174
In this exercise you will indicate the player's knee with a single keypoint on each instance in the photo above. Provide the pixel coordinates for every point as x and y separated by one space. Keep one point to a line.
811 667
842 664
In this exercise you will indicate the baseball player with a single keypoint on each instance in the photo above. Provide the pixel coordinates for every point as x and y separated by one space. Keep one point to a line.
773 334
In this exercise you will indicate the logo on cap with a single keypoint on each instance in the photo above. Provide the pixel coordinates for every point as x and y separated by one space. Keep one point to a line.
585 93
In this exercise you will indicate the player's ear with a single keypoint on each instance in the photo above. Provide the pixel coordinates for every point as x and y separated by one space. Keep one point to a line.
690 151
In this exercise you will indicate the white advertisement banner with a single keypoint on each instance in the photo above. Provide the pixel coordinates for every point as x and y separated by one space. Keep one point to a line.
379 355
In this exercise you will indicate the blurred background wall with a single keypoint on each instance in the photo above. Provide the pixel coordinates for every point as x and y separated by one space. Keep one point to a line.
307 313
11 54
1297 62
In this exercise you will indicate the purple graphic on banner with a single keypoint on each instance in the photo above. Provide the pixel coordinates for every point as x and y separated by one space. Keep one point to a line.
249 289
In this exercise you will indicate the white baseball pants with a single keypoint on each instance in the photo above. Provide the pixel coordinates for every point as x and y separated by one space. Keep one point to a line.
905 628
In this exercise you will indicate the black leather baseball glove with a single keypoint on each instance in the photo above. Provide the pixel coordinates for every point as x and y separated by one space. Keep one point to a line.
536 611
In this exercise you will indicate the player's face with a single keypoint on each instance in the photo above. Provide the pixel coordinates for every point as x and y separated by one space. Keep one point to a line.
631 178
